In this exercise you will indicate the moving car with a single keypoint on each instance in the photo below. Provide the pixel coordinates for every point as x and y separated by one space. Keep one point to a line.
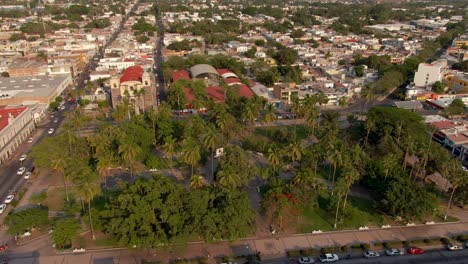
328 258
454 247
393 252
23 158
371 254
9 198
415 251
27 175
2 208
51 131
21 171
30 140
305 260
55 120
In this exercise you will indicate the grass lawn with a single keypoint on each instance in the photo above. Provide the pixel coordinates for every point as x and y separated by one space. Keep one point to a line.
359 212
56 198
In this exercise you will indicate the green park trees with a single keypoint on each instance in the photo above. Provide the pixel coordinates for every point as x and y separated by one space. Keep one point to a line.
27 219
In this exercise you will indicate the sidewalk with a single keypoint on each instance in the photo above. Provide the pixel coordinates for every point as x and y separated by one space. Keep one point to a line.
270 248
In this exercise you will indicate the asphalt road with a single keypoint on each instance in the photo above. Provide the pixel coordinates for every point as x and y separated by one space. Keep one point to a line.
430 257
10 181
157 56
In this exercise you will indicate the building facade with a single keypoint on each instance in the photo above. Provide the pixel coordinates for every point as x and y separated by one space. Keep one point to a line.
136 85
16 124
428 74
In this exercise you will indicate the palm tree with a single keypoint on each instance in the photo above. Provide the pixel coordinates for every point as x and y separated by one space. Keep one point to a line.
312 114
370 125
225 122
248 113
296 106
295 151
141 93
59 163
457 178
103 165
336 158
211 140
196 181
368 94
169 148
274 156
129 152
270 115
322 99
191 153
87 188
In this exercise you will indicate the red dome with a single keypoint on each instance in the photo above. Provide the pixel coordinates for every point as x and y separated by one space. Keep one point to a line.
132 73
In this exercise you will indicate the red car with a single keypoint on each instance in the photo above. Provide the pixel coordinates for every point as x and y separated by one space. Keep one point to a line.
3 247
415 251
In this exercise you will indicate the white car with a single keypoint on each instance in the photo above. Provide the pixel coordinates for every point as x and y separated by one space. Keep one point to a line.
62 107
51 131
55 120
2 208
305 260
328 258
27 175
393 252
371 254
454 247
9 198
23 158
30 140
21 171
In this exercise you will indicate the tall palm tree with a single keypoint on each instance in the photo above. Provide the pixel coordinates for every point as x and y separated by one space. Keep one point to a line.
249 113
129 152
211 141
368 94
457 178
370 125
336 158
270 115
141 95
322 99
296 106
103 165
274 156
87 188
225 122
169 148
59 163
312 114
191 153
295 150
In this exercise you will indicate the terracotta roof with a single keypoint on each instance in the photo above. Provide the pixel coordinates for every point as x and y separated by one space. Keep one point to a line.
4 113
216 93
458 139
233 81
132 73
180 75
223 71
245 91
443 124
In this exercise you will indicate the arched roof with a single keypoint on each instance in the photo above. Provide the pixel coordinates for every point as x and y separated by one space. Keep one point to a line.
132 73
202 69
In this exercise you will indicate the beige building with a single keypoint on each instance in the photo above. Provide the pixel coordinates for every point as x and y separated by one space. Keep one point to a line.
136 85
22 67
16 124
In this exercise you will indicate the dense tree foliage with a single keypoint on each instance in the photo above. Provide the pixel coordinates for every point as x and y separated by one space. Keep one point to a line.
27 219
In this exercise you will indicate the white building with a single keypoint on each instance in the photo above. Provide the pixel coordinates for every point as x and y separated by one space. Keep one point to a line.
428 74
16 124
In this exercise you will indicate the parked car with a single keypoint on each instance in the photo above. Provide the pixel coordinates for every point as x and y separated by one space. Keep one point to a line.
27 175
305 260
55 120
30 140
454 247
2 208
23 157
51 131
328 258
21 171
415 251
393 252
9 198
371 254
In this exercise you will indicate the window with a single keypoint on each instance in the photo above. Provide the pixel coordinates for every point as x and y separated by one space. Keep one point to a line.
146 82
115 85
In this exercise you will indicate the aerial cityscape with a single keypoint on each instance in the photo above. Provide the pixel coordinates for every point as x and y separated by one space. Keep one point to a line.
233 131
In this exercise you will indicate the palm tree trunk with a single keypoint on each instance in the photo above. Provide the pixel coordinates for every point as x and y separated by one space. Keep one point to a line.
65 185
191 168
91 220
336 213
333 179
212 164
449 203
345 199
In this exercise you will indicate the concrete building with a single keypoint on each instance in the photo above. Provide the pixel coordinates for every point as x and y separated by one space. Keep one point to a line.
458 82
16 124
32 90
428 74
137 85
22 67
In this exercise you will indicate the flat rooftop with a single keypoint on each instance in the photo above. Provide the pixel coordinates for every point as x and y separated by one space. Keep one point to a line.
30 86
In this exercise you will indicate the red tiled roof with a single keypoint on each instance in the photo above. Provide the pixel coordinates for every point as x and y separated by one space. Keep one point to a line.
223 71
190 95
458 139
180 75
443 124
132 73
215 92
245 91
4 113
